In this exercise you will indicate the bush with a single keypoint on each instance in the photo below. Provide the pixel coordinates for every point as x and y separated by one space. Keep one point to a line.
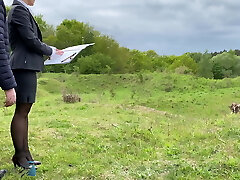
185 61
71 98
205 66
226 65
139 61
182 70
94 64
161 63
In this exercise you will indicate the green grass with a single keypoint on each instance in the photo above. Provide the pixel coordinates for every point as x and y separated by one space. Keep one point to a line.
143 126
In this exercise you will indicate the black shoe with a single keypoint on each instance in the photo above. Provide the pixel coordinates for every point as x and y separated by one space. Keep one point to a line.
2 173
30 159
20 162
35 162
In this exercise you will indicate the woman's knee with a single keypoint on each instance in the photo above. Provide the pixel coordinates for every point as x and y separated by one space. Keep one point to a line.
23 109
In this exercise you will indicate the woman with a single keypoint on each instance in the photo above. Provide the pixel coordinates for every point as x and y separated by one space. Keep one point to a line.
26 59
7 81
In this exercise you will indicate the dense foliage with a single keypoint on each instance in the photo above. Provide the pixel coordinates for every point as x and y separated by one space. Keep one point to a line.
107 56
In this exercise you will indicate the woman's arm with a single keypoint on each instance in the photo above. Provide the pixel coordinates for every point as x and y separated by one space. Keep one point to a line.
7 80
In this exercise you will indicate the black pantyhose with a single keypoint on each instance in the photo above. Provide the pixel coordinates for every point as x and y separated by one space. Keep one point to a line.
19 132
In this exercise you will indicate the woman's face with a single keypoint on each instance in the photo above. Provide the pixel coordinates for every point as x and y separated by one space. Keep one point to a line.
30 2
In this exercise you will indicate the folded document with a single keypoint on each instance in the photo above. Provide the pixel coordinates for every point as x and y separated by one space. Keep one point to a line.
69 54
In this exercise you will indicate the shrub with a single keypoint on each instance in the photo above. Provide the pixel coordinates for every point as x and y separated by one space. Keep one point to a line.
139 61
205 66
94 64
226 65
182 70
71 98
184 60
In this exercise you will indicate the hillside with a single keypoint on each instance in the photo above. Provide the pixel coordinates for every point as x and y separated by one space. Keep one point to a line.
132 126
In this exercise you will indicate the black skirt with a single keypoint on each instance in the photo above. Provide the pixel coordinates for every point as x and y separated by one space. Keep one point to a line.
26 85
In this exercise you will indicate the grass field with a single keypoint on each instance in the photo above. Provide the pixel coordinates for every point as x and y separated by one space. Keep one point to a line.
142 126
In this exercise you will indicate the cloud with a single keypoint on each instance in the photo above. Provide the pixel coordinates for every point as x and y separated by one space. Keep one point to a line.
166 26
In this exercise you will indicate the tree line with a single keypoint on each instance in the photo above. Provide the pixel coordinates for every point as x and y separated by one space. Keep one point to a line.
107 56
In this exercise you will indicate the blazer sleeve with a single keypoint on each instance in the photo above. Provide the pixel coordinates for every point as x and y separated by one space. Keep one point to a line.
21 18
7 80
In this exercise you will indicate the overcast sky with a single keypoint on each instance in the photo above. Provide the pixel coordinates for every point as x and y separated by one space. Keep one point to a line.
166 26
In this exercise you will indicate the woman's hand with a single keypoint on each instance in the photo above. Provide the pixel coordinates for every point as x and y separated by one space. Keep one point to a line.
59 52
10 97
56 51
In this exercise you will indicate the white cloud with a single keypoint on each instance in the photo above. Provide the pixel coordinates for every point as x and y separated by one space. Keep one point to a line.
107 13
166 26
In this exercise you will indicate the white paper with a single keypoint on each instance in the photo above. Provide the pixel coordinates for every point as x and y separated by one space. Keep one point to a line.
69 54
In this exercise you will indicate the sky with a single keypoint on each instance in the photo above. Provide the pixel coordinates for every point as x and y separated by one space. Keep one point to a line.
169 27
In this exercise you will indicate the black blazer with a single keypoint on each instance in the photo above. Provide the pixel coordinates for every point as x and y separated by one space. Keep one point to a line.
25 39
7 80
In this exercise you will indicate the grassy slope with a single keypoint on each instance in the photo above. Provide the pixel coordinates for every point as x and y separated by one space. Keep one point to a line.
145 126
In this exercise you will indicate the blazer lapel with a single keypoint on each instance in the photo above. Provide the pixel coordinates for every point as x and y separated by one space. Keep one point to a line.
36 24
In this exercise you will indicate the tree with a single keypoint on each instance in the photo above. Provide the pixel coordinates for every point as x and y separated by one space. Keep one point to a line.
205 66
94 64
226 64
72 33
217 71
151 54
161 63
195 56
109 47
184 60
139 61
46 29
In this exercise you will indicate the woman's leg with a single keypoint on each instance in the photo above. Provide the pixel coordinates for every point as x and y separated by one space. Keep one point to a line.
19 128
25 142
